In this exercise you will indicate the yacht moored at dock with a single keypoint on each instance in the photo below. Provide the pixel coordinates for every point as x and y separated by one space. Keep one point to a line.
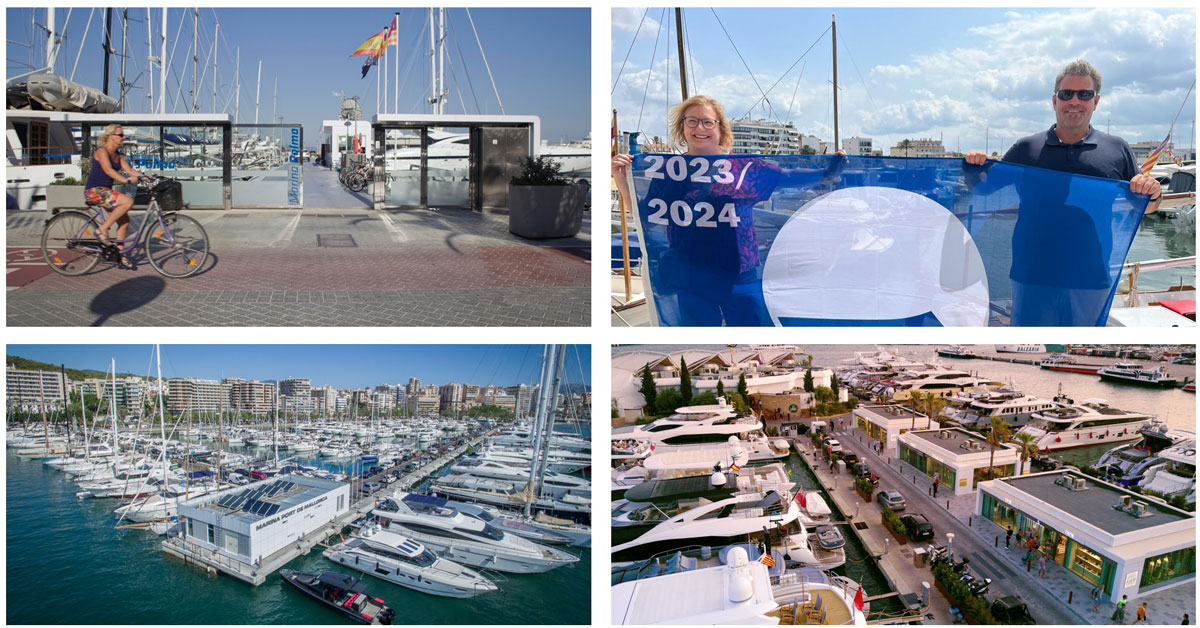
403 561
1126 373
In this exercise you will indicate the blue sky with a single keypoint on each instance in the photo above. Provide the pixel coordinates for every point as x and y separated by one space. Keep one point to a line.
342 366
913 73
308 51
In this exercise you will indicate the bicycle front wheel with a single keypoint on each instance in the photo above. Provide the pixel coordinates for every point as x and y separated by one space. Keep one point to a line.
177 246
357 182
69 243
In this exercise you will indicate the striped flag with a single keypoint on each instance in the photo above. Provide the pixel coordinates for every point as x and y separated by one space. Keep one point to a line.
371 46
766 560
1153 158
390 38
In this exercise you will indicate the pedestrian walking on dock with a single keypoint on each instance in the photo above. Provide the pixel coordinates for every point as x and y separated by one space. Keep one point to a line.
1008 537
1096 599
1118 615
1042 565
1186 620
1140 617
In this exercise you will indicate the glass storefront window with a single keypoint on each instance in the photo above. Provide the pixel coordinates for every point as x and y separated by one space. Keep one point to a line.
1086 563
1169 566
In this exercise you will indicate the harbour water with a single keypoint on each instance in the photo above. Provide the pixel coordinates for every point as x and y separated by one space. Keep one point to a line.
59 547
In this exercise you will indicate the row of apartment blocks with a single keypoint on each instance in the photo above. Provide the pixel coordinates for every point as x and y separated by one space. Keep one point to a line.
29 389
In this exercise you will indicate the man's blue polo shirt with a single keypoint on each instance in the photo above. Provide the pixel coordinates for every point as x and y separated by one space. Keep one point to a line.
1097 155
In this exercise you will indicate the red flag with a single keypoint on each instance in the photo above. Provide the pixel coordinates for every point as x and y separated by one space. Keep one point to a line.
651 447
766 560
858 598
802 498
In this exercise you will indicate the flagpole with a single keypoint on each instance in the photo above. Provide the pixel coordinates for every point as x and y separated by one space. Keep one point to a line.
396 69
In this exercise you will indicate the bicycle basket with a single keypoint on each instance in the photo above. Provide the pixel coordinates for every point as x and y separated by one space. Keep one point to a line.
170 195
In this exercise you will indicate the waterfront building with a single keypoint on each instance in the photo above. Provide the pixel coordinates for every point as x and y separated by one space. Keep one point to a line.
251 396
295 394
959 457
775 375
27 389
248 524
812 142
197 395
1104 534
887 422
857 146
764 137
918 148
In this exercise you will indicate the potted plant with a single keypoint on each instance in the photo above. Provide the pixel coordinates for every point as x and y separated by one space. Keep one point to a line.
864 488
544 204
63 193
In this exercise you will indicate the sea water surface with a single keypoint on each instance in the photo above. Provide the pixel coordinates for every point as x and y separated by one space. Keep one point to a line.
70 566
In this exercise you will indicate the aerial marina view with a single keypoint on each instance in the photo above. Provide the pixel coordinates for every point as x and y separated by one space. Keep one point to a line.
459 497
855 484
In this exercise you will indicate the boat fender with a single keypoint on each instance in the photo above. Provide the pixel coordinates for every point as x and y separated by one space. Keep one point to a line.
1106 432
1058 439
1077 436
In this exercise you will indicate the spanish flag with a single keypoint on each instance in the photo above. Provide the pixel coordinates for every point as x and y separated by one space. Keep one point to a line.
1152 160
371 46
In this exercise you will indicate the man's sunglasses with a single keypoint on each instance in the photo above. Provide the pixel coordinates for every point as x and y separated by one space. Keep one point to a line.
1084 94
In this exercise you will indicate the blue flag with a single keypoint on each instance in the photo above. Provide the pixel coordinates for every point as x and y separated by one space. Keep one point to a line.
794 240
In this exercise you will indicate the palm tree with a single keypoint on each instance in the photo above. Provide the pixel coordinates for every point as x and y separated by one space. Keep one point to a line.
906 144
934 405
916 398
1000 433
1028 444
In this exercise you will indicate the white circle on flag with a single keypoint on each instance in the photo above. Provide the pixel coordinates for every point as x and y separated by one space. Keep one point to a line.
874 253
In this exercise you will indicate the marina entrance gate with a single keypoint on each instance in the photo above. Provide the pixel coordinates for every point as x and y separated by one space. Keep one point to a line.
460 161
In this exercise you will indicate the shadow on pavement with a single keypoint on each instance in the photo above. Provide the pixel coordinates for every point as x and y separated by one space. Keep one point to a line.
125 296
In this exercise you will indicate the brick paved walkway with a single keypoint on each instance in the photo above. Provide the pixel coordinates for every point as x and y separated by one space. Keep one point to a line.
480 286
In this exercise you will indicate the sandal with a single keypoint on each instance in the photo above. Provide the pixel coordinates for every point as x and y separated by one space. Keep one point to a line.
124 263
100 235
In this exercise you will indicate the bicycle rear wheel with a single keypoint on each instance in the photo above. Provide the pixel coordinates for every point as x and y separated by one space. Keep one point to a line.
178 246
357 182
69 243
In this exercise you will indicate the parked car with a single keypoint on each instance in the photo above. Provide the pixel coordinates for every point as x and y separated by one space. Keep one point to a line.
850 457
918 526
890 499
371 487
833 446
1011 610
258 475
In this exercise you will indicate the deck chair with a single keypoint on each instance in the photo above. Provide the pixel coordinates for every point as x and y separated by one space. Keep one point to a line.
818 608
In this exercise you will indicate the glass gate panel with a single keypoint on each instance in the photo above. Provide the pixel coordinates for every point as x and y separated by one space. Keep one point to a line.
448 174
402 165
266 166
192 155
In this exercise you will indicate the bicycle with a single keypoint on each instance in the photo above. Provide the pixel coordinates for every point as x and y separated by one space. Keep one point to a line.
176 245
355 178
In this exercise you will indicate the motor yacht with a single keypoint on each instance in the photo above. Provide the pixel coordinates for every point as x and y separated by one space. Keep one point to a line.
1127 464
464 538
403 561
1089 422
1176 474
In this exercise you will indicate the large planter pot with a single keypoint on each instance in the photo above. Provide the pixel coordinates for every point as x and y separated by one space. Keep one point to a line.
63 196
545 211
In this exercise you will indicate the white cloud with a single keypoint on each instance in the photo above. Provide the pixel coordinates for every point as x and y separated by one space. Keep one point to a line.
893 71
628 19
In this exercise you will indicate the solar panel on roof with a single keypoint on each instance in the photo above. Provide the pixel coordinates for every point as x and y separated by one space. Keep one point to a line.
274 508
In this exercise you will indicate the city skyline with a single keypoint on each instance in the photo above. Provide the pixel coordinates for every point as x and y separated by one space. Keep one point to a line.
339 366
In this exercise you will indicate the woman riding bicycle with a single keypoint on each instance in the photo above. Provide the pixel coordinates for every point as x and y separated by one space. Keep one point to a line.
99 187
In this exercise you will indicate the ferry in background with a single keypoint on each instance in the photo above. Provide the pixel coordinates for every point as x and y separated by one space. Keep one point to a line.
1126 373
1020 348
1069 364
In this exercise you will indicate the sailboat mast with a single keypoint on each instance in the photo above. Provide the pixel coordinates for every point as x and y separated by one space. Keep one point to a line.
836 141
433 91
42 404
162 415
149 60
107 44
195 59
683 86
441 60
124 41
257 91
237 81
50 56
162 67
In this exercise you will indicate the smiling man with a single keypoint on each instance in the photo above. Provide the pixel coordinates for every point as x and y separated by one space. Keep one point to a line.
1072 145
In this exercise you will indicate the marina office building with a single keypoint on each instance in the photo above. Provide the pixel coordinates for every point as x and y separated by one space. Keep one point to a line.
959 457
888 421
249 524
1102 533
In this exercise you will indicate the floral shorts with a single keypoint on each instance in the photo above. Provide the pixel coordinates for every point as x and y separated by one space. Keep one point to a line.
102 197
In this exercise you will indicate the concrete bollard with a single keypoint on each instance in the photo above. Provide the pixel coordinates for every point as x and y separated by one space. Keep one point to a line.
969 518
947 504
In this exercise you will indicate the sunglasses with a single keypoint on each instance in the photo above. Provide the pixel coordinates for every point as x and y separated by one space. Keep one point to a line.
118 135
1084 94
707 123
